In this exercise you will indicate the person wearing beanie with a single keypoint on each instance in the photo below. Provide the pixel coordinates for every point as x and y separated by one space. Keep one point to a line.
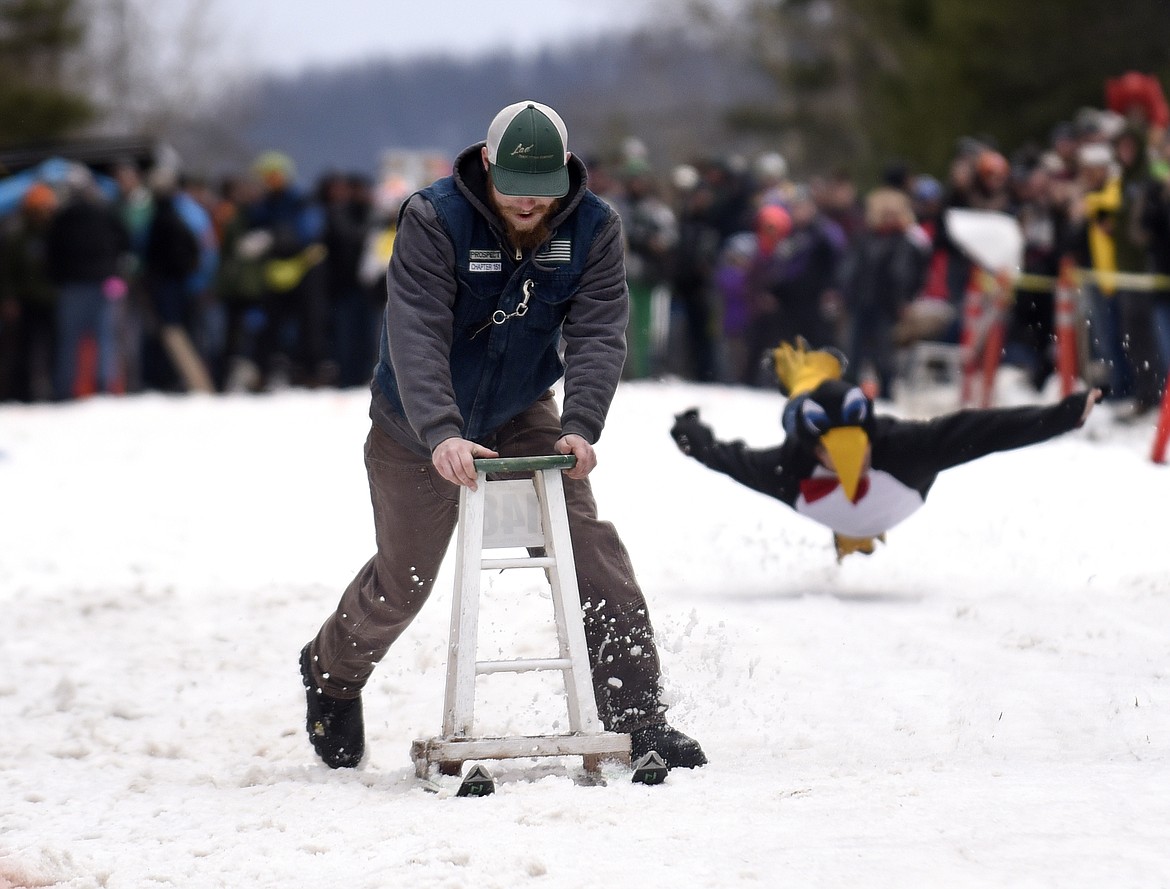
881 273
795 291
28 299
495 269
1099 218
286 230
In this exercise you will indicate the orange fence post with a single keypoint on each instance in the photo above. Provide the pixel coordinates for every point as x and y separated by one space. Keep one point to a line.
982 337
999 289
1162 434
85 383
970 337
1065 324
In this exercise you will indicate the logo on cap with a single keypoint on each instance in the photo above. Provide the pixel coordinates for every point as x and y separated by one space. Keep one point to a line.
535 165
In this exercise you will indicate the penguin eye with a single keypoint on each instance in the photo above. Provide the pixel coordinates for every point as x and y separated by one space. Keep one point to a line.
855 407
815 417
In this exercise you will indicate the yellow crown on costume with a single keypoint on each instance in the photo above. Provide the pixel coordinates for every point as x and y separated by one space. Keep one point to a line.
800 369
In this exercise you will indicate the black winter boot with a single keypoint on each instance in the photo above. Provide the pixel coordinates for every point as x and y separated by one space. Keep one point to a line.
336 727
676 749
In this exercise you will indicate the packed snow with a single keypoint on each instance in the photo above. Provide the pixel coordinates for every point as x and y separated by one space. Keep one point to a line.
985 701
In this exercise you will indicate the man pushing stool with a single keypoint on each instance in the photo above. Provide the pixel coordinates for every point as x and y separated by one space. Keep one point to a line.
494 269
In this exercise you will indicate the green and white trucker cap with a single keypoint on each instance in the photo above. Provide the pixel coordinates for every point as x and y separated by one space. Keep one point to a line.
527 151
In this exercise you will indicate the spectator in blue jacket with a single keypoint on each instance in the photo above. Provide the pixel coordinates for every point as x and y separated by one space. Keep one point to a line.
85 245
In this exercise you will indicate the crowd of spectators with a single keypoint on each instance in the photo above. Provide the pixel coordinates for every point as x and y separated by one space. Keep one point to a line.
750 256
174 285
161 282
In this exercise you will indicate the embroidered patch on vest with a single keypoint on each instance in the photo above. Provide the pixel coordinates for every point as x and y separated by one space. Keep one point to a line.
484 261
557 252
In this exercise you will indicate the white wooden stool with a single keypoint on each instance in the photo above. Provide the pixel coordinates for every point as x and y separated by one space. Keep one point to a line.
524 512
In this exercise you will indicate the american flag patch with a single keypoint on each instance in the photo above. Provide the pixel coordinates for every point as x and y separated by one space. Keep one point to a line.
558 251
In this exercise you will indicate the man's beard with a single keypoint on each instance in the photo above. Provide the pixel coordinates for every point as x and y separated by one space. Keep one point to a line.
530 238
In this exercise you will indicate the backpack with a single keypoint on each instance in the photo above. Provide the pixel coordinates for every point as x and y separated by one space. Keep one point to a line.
172 250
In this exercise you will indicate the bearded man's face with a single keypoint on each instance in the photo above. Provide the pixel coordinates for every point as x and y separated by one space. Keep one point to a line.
526 219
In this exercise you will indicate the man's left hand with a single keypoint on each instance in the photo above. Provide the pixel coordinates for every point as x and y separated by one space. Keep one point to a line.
582 450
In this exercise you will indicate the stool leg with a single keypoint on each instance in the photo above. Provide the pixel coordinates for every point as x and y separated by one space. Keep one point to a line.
459 702
567 601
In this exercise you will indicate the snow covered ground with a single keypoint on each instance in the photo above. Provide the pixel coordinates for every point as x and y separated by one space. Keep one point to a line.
985 702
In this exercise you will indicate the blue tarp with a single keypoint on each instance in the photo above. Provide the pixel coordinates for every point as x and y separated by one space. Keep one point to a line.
199 221
53 171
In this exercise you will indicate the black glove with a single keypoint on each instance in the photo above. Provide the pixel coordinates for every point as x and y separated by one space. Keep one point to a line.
1084 401
690 433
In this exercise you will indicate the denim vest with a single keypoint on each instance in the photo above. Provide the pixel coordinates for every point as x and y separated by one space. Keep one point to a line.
508 312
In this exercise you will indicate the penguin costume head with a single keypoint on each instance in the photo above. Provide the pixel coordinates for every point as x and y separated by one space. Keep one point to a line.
834 421
826 415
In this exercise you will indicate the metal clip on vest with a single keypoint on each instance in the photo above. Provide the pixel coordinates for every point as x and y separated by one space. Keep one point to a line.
499 316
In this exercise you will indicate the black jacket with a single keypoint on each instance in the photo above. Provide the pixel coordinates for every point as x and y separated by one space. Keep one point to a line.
907 456
85 242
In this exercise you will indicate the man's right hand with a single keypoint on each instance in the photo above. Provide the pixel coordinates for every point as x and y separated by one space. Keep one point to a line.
454 457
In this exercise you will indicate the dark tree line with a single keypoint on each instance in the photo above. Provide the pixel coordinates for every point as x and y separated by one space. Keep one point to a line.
37 101
829 83
867 80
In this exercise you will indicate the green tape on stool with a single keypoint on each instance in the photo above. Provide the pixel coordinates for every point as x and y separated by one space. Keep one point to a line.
525 464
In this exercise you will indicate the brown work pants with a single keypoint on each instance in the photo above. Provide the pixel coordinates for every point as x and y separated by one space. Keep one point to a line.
415 513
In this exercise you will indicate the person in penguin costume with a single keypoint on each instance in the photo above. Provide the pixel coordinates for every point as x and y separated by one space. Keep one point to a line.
856 472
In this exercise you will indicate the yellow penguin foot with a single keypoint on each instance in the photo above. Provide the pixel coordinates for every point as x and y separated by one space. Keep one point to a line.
847 545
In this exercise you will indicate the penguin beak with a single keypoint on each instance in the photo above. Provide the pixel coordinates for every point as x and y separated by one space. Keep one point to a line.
847 447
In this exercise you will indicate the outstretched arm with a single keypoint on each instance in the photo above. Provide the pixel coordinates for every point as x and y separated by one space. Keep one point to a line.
953 439
757 469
